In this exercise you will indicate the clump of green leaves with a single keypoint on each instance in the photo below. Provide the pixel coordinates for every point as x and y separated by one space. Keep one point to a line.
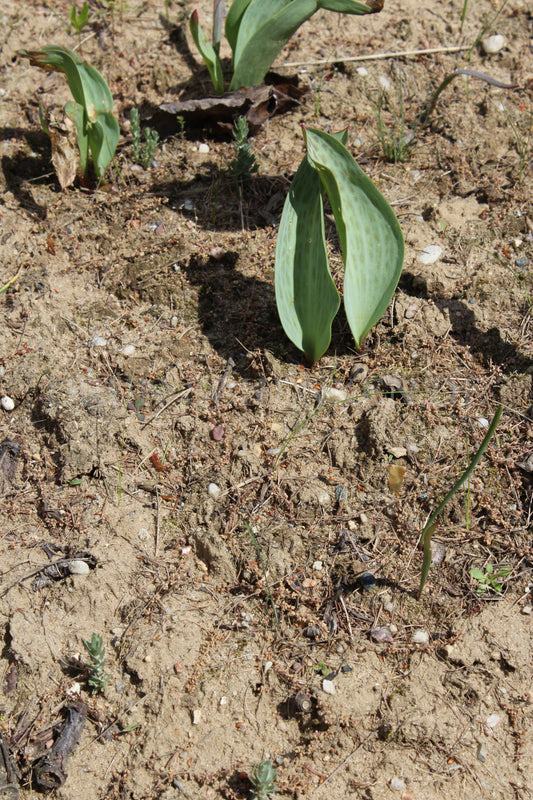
244 163
371 240
263 781
91 109
257 30
489 579
79 20
143 152
98 679
321 668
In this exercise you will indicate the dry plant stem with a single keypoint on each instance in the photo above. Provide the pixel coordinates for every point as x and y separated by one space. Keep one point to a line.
50 770
469 73
372 57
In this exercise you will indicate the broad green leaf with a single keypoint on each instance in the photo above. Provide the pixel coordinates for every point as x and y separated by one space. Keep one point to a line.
207 51
92 108
306 296
478 574
370 235
259 29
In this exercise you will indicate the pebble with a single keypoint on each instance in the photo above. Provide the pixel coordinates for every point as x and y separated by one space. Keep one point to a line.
430 254
328 686
128 350
217 434
398 452
187 205
196 716
527 609
362 71
78 567
493 44
324 499
522 262
493 720
214 491
332 395
318 565
482 422
381 634
367 581
481 752
397 784
410 312
97 341
420 637
174 322
7 403
203 148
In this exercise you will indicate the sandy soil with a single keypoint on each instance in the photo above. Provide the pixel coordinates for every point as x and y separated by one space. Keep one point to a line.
140 319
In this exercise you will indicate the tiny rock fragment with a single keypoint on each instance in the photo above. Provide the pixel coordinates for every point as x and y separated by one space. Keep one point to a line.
367 581
97 341
481 754
203 148
420 637
128 350
493 44
493 720
397 784
398 452
7 403
482 422
78 567
217 434
214 491
430 254
381 634
438 551
196 716
312 632
410 312
332 395
324 499
328 686
527 609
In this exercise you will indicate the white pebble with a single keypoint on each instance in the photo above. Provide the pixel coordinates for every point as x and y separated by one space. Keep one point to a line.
430 254
174 322
332 395
493 720
482 422
78 567
493 44
7 403
97 341
324 499
397 784
420 637
203 148
527 609
196 716
362 71
317 565
397 452
188 205
214 491
328 686
384 83
128 350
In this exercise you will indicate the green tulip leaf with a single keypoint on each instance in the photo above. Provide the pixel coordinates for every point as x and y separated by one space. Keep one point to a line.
208 53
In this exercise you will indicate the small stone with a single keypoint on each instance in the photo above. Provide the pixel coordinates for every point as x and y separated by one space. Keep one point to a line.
332 395
217 434
493 44
522 262
97 341
174 321
7 403
324 499
147 659
328 686
482 422
203 148
481 754
367 581
362 71
493 720
527 609
363 519
397 784
214 491
410 312
397 452
223 701
217 253
128 350
420 637
187 205
381 634
78 567
430 254
318 565
196 716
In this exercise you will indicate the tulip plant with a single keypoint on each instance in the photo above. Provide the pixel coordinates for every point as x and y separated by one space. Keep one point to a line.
91 110
370 237
257 30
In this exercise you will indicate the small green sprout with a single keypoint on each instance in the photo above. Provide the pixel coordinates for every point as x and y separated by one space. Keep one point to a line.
98 679
244 163
143 153
489 579
79 21
263 780
321 668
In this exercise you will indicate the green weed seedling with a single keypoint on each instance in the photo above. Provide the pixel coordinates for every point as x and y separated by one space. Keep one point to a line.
371 241
257 31
98 679
321 668
263 781
244 163
431 524
79 20
489 579
91 110
143 152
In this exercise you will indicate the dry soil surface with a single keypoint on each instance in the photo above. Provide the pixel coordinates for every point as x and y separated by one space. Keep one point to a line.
225 500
